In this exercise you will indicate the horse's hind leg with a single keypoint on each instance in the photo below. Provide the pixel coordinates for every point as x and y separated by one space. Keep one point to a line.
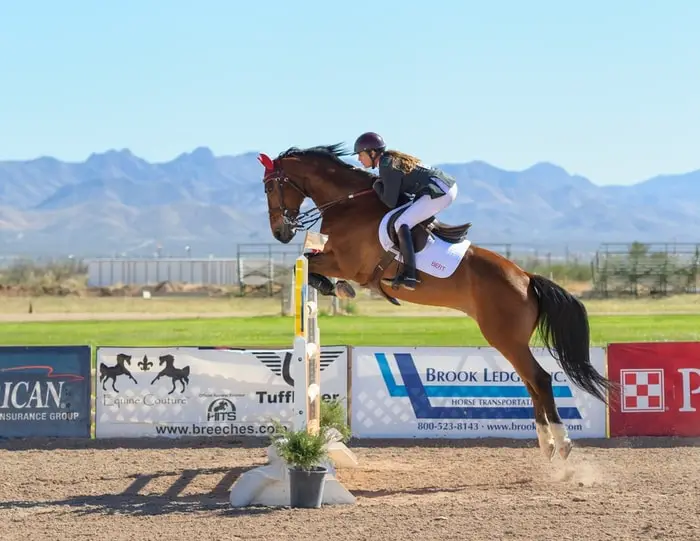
551 432
561 436
535 379
512 342
544 434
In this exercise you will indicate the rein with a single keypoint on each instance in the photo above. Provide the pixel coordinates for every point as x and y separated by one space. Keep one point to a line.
306 219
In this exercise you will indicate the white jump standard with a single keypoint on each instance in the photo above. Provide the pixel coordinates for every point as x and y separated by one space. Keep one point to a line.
269 485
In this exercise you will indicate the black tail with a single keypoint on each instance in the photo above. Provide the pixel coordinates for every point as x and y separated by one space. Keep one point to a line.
562 323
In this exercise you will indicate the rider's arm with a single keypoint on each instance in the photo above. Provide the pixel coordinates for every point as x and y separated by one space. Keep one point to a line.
389 187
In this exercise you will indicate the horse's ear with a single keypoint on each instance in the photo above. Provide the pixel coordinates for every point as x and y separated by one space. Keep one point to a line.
266 162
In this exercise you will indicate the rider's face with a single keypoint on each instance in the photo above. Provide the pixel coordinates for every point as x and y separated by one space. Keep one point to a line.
365 159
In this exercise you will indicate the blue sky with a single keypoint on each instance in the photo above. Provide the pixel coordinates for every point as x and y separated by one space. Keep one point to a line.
608 90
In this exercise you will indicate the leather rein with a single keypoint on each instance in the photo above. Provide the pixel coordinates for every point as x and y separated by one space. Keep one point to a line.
303 220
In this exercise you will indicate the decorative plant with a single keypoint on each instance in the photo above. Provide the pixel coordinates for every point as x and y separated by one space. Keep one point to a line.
300 449
333 415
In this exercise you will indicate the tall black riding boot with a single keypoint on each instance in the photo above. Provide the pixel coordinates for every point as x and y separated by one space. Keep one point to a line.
407 278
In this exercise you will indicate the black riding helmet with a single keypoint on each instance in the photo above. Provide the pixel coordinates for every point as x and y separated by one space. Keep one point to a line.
369 141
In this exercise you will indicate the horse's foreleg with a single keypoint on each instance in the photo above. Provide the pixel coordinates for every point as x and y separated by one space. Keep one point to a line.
323 265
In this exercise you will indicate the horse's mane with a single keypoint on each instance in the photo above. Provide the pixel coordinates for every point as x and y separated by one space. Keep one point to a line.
329 152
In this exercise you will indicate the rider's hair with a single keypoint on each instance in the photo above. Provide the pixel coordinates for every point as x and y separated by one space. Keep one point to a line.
402 161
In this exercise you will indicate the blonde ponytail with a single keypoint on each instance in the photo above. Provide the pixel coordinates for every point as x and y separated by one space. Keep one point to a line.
402 161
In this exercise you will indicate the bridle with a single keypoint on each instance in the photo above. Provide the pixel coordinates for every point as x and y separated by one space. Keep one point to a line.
298 221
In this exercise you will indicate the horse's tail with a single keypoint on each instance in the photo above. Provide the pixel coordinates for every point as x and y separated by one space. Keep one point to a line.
562 323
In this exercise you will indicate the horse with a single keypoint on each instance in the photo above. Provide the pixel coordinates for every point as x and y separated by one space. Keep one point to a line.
113 372
175 374
508 303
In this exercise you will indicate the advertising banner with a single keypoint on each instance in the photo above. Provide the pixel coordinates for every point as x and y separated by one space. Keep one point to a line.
45 391
660 389
460 393
192 391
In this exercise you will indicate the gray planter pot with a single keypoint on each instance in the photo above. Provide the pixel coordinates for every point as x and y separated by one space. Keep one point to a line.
306 487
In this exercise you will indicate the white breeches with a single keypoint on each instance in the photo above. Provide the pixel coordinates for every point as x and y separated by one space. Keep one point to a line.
424 207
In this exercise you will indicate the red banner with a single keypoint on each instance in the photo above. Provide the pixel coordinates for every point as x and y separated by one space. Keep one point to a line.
659 389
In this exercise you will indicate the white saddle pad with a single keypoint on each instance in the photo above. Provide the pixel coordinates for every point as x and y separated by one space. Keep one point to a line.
438 258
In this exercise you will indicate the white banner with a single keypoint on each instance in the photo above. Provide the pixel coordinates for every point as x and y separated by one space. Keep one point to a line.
460 393
190 391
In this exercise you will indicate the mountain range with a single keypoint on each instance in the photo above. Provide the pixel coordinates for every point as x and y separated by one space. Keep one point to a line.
118 203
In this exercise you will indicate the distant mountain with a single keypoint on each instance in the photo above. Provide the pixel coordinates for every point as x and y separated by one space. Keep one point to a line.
116 202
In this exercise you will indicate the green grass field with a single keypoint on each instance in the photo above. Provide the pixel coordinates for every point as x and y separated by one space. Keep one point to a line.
354 330
265 306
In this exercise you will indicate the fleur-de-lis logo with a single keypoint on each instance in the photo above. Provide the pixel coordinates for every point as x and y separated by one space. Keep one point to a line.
144 363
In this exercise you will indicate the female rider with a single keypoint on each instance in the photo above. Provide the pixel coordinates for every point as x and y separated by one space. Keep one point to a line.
403 177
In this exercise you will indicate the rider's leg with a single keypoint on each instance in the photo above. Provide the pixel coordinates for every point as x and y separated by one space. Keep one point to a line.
421 209
425 207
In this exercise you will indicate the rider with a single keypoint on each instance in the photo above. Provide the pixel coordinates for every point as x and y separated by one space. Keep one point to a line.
402 177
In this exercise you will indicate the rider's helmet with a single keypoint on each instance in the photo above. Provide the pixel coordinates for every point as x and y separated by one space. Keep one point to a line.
369 141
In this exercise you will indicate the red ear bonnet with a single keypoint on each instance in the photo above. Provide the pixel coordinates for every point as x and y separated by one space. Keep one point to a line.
266 162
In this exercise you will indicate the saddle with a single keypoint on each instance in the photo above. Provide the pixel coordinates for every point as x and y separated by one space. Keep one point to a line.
452 234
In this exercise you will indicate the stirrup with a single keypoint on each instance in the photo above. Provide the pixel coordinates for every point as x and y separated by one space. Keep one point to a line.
401 280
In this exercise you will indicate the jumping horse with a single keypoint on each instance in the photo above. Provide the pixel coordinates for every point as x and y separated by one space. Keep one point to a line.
508 303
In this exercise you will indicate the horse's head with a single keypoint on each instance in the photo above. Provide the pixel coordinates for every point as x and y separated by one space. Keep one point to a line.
317 173
165 359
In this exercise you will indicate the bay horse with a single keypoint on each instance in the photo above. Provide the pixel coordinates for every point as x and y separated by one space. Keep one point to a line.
507 303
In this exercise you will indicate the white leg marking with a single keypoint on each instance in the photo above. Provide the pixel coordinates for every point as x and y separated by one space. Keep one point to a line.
561 436
546 440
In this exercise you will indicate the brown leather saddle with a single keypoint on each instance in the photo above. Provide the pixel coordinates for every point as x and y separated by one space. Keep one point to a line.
420 234
452 234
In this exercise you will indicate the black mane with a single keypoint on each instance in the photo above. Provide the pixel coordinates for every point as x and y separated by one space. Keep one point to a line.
332 152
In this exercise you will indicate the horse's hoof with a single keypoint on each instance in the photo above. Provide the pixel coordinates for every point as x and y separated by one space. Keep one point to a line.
343 290
549 451
565 449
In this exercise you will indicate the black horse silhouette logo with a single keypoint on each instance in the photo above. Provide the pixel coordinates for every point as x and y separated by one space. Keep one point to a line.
176 374
113 372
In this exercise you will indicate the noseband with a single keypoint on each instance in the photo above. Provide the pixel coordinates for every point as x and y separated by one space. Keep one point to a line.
299 221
